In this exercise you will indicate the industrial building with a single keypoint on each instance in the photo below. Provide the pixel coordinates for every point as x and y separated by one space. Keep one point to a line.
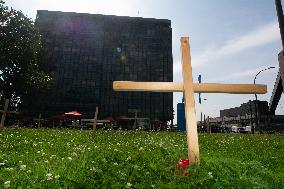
253 113
248 108
85 53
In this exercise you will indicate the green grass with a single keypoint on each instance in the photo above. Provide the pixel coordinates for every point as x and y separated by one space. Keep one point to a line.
33 158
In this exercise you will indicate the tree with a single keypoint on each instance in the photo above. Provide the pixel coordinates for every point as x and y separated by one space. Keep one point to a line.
21 72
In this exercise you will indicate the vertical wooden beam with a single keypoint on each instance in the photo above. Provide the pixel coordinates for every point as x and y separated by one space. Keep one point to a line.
95 118
135 121
190 116
208 125
39 121
4 112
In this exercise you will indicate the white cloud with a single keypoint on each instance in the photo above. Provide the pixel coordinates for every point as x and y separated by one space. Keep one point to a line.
246 73
258 37
177 67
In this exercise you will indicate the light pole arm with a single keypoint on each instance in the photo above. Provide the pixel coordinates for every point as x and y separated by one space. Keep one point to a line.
262 71
257 75
255 103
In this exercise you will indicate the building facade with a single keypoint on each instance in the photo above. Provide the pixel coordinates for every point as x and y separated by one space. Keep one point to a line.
85 53
248 108
245 115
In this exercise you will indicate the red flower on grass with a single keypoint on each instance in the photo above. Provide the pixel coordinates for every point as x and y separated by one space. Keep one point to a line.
182 166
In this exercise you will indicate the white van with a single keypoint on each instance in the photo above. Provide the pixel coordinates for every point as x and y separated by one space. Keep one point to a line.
248 129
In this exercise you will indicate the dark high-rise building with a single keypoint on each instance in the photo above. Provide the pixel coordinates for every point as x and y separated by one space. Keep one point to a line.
87 52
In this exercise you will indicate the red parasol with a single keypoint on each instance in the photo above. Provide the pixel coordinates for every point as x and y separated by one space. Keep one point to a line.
73 115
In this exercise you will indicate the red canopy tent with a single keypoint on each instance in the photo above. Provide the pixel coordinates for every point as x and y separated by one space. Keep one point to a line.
73 115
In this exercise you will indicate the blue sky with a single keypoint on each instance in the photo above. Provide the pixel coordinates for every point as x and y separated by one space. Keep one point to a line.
230 40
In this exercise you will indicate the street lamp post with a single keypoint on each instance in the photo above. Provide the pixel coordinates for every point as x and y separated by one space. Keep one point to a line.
255 103
201 112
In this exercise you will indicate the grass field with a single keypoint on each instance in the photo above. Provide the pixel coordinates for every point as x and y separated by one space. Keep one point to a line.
46 158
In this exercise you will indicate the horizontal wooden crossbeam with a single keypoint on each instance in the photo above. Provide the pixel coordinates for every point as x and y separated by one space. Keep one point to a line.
98 121
9 112
197 87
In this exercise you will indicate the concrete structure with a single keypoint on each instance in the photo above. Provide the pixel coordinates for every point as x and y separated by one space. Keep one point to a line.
278 86
244 115
279 83
247 108
87 52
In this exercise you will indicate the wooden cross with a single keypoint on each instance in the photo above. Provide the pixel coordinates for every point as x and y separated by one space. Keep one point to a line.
5 112
189 88
95 118
39 120
136 111
208 125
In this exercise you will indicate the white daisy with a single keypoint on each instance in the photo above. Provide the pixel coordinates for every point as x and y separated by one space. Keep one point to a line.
7 184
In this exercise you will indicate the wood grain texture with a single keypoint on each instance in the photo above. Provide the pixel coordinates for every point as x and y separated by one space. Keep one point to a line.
197 87
147 86
190 115
230 88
